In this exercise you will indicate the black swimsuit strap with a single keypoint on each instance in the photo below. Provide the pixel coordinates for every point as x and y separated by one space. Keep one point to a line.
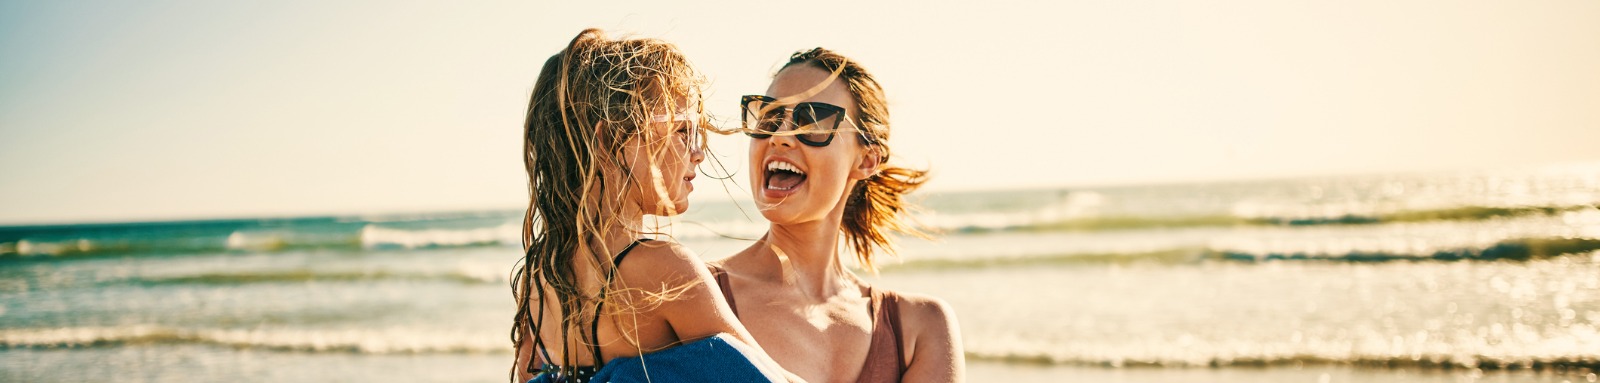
594 327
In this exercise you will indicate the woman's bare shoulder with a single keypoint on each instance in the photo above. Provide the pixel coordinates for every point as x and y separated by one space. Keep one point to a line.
931 339
921 313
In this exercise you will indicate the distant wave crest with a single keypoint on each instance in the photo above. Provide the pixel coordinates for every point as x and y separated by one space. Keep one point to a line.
1096 223
1073 215
378 237
384 341
1516 249
366 236
305 275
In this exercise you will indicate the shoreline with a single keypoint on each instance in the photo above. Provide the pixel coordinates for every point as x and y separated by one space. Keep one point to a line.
993 371
198 361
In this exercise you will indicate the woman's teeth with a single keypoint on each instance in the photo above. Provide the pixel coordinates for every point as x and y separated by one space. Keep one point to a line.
783 176
784 166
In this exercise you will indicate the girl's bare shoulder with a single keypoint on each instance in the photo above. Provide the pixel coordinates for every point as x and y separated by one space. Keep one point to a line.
655 262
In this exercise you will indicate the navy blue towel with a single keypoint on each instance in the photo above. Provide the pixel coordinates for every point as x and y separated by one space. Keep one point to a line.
719 358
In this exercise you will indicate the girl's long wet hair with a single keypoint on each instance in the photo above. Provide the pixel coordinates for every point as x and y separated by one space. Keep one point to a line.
877 206
591 99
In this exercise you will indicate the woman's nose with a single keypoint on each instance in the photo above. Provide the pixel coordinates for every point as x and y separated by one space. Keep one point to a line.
787 140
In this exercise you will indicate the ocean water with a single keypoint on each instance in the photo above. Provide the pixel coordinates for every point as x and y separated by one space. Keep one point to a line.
1452 276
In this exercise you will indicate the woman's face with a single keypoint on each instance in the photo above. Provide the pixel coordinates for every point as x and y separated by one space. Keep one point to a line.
793 182
662 158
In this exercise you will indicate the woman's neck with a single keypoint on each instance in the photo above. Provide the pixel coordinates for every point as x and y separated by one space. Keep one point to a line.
812 250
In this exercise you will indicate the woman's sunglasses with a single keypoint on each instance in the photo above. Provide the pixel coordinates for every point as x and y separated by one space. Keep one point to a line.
820 120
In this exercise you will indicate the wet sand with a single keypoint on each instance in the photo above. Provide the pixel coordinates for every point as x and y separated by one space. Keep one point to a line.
983 371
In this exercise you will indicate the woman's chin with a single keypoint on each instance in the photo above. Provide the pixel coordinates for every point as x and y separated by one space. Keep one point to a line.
781 212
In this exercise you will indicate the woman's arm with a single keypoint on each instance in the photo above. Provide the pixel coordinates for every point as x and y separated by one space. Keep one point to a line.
932 340
691 303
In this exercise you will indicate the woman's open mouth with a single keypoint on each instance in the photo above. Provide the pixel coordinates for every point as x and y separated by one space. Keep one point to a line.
783 176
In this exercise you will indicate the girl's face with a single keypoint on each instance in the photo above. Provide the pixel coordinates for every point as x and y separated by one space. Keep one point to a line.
793 182
662 158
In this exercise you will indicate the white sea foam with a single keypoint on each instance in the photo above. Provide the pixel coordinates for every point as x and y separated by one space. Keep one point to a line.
1500 346
255 241
1542 312
62 247
1075 205
377 236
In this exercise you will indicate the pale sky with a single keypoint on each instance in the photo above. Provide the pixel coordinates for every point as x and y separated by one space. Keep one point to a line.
153 110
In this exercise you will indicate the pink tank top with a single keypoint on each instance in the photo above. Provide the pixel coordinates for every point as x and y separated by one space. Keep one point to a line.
885 360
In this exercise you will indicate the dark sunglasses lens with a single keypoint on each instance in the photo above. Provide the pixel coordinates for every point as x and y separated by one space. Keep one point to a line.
820 120
771 119
755 119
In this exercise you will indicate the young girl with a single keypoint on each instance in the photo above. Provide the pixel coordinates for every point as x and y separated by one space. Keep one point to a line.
613 135
818 172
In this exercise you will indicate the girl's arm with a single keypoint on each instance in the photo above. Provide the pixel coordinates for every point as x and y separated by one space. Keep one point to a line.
692 304
523 357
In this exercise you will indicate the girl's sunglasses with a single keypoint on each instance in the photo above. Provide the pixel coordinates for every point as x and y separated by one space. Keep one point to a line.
820 120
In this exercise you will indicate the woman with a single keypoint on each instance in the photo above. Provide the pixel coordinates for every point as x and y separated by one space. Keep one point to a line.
613 135
818 173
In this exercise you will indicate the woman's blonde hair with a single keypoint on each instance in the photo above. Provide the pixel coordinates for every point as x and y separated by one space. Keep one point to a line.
591 99
877 206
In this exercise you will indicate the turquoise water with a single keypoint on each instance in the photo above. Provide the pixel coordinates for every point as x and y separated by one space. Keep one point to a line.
1491 275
